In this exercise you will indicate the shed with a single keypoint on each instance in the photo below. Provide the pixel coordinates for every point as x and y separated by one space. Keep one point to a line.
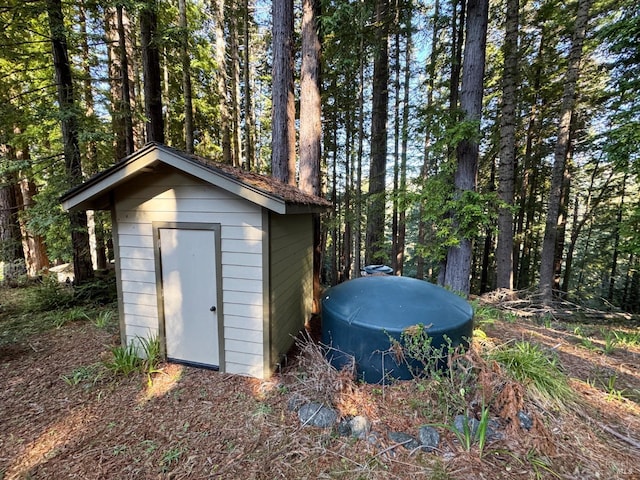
213 261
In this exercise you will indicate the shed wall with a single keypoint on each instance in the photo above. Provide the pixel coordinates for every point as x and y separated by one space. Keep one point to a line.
291 279
169 196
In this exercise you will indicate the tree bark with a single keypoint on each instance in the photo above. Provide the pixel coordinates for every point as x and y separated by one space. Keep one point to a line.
187 91
375 252
426 164
561 152
506 173
82 267
311 128
151 72
221 80
458 269
249 122
283 135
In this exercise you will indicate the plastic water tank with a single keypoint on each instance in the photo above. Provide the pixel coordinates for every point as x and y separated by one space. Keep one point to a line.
360 316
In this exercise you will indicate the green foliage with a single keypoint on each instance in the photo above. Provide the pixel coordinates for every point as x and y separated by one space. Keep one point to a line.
443 372
537 370
49 295
87 375
104 319
124 360
627 338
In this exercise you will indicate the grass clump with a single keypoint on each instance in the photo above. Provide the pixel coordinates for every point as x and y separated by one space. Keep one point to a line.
537 370
141 355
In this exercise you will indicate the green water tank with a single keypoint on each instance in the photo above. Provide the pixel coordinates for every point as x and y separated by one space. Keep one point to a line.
361 316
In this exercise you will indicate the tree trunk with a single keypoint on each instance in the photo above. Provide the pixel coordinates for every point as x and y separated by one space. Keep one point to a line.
151 72
249 121
82 267
283 160
561 152
426 164
396 138
310 128
375 252
357 261
186 77
234 87
310 105
504 250
10 237
458 270
221 80
402 222
616 241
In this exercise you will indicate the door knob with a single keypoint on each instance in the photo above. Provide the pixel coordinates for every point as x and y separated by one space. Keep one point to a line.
213 308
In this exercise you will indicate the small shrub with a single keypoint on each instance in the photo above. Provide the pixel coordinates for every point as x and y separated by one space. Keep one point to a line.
85 374
104 319
535 368
49 295
125 360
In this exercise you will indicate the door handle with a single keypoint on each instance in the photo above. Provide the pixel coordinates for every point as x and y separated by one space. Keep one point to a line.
213 308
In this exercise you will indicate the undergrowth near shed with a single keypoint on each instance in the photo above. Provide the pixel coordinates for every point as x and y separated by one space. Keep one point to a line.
65 415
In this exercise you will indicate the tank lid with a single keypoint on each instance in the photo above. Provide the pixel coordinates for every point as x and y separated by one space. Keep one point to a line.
394 303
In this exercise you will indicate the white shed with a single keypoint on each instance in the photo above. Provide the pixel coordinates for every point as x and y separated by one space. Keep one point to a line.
214 261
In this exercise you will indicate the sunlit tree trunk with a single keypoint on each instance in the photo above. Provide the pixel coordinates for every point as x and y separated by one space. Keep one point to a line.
561 152
311 128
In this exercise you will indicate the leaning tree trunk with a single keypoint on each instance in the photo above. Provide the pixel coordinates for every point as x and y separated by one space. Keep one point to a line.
458 270
561 152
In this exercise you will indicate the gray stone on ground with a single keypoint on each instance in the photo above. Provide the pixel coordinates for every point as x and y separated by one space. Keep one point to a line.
526 421
407 441
472 424
360 426
295 402
317 415
344 427
429 438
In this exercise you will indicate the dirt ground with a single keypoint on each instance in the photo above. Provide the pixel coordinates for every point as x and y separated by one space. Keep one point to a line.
63 415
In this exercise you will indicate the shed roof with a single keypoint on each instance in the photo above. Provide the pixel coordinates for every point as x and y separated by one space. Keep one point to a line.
94 194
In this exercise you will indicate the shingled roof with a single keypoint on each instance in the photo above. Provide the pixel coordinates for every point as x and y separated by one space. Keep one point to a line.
260 189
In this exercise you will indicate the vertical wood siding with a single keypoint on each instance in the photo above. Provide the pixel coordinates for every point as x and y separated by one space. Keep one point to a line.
291 273
167 196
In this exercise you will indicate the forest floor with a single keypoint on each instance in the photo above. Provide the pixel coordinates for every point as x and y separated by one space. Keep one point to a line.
63 414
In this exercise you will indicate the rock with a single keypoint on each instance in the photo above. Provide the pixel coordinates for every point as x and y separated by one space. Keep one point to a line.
429 438
317 415
493 431
526 421
360 426
405 439
472 424
344 427
295 402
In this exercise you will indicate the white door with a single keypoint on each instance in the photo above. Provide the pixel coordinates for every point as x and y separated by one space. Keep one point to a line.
188 262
